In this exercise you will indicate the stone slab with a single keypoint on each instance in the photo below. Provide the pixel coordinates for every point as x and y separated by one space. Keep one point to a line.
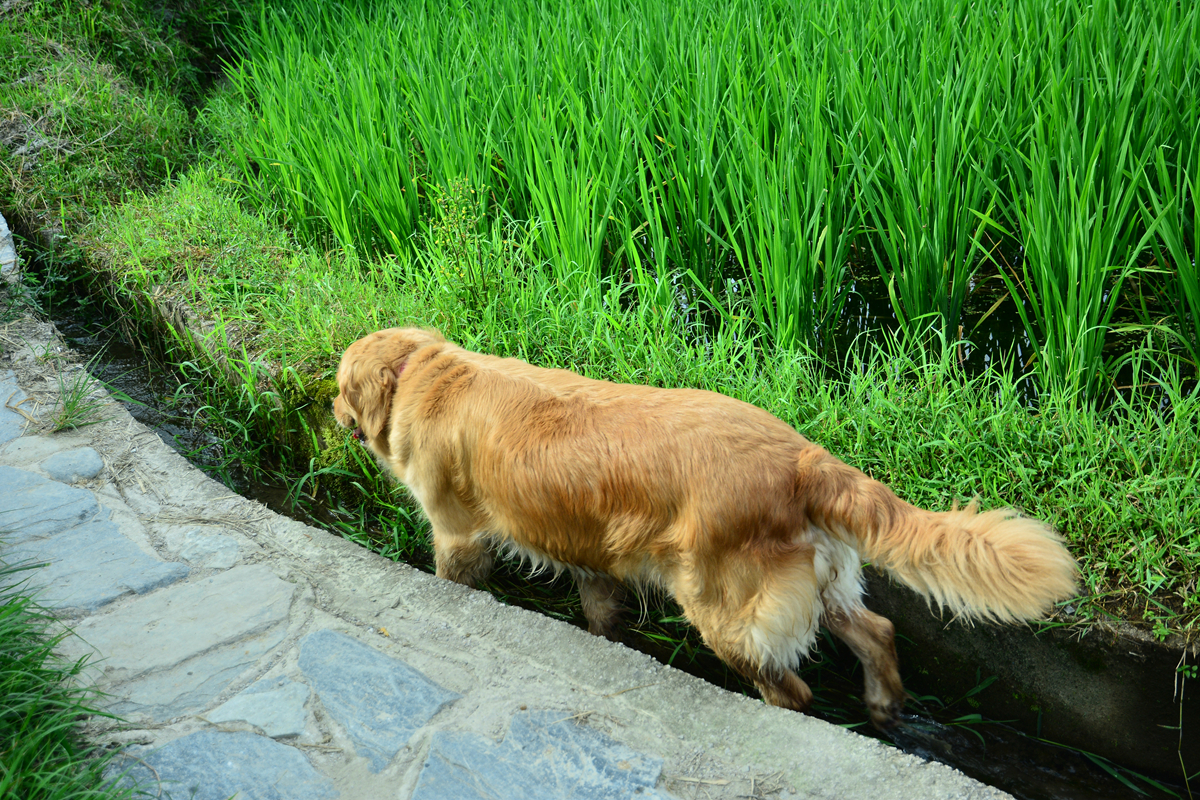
379 700
172 652
32 506
11 422
276 707
31 448
191 686
213 765
71 466
90 565
546 755
209 550
167 628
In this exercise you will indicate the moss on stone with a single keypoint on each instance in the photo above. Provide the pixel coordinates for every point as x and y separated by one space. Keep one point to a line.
313 441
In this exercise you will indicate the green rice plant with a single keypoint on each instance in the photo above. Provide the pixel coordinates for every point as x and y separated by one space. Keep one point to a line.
686 151
42 756
790 232
574 185
451 116
926 167
1078 219
363 188
1177 244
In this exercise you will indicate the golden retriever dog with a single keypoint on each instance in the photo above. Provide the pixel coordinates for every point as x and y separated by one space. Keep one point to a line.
758 533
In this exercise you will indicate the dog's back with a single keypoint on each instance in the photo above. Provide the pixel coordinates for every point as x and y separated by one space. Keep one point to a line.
592 473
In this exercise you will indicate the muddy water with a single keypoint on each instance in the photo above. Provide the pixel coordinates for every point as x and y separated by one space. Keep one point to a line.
950 730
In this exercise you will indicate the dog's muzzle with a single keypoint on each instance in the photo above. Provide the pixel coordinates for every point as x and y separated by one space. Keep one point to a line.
359 435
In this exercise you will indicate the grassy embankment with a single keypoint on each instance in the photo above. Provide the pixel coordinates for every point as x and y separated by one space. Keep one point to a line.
575 207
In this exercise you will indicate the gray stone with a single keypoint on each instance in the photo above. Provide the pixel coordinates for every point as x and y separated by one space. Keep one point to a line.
191 686
277 707
11 422
212 765
90 565
167 628
212 550
32 506
9 264
545 756
173 651
69 466
380 701
32 448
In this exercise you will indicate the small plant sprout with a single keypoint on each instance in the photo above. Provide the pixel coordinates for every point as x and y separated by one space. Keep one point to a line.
81 401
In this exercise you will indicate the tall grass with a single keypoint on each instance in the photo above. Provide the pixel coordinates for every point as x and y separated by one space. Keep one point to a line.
926 163
789 213
753 151
1082 242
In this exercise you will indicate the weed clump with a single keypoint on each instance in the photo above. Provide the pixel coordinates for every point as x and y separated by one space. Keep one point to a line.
41 754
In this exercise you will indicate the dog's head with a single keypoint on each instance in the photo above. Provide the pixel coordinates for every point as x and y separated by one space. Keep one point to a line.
367 377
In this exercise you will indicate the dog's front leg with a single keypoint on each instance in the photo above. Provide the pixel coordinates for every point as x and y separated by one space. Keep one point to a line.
601 596
459 551
461 559
466 565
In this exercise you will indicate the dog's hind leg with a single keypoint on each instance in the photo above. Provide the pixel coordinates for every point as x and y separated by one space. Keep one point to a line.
601 596
778 685
871 637
758 616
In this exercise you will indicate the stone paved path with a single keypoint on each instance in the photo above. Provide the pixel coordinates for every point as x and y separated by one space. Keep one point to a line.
249 655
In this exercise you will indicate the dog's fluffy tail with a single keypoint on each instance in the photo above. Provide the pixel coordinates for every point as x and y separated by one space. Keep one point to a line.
996 565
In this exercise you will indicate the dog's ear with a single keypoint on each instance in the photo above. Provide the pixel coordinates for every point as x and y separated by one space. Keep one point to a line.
373 382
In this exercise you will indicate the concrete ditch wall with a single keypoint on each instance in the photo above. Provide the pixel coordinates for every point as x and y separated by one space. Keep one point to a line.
1108 689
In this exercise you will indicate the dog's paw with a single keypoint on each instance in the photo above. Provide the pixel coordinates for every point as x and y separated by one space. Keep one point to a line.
887 716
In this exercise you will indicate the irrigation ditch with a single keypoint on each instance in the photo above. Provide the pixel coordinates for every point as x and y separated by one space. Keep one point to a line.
1063 712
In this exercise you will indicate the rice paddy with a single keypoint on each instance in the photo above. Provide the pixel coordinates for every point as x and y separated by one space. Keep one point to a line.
759 155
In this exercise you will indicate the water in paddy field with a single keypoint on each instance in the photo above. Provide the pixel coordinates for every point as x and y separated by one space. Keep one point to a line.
992 342
992 336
